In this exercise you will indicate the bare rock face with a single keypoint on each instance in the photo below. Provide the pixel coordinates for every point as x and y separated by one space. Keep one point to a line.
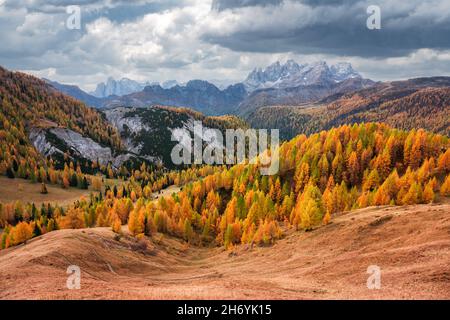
84 146
146 131
119 118
146 135
117 87
38 138
60 140
149 131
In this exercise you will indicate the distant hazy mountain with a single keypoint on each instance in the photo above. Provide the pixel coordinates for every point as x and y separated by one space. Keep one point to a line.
126 86
296 84
300 95
291 74
169 84
278 84
222 84
118 87
77 93
196 94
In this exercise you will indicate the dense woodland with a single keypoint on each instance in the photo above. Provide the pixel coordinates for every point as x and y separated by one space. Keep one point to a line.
28 102
326 173
402 108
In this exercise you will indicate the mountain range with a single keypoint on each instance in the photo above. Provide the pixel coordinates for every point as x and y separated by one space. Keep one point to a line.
46 123
196 94
300 98
291 74
286 84
410 104
126 86
356 184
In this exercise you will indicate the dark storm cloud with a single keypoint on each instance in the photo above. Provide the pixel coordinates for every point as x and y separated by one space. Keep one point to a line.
126 12
221 5
338 27
185 39
29 29
115 10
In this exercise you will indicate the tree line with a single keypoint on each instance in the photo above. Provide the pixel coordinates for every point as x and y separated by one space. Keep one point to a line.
341 169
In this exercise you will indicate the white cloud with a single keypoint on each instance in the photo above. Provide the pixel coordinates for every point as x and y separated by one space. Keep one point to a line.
179 42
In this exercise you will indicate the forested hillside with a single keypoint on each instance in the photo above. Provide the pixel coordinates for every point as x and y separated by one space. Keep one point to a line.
148 131
404 105
27 103
50 137
326 173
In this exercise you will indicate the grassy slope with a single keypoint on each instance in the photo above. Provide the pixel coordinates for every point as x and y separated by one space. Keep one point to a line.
410 244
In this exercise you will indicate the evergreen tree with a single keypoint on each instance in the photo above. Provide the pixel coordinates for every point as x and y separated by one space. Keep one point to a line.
10 173
37 231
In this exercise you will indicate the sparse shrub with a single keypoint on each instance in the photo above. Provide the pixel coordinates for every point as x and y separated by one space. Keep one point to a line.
140 245
44 188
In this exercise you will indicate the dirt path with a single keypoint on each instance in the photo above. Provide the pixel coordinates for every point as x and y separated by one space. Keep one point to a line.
411 245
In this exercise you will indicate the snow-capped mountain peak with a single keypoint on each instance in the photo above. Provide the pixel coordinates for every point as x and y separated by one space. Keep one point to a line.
117 87
344 70
292 74
126 86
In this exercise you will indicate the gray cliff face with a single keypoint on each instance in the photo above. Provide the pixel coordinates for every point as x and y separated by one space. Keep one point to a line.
39 140
119 118
150 131
129 128
60 140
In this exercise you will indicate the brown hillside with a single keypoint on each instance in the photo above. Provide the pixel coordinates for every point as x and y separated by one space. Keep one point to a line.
405 105
410 244
427 108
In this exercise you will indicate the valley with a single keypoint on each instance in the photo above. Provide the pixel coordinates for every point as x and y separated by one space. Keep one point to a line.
12 190
410 244
364 179
236 150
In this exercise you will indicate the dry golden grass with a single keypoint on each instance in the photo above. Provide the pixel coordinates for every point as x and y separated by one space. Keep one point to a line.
410 244
25 191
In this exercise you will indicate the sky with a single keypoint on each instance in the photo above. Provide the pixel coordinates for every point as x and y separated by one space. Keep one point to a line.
220 40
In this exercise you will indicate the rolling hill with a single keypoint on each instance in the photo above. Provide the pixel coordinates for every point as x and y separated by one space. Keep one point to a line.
411 104
410 244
